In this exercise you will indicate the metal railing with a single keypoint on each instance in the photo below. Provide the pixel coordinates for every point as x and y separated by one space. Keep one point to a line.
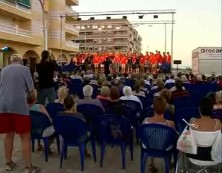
15 30
15 5
72 28
71 44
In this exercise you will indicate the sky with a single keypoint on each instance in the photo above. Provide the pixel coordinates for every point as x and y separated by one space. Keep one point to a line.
198 23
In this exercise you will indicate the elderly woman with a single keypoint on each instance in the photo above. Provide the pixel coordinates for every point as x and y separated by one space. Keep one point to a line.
88 92
127 91
218 100
62 94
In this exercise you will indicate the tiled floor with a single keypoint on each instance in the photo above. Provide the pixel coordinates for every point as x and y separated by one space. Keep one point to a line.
112 162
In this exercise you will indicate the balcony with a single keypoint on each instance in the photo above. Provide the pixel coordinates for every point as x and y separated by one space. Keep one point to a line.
72 29
13 33
72 2
70 13
70 46
14 10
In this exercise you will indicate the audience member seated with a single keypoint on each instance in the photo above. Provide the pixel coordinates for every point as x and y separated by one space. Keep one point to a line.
218 100
208 144
116 106
159 107
179 92
70 108
88 92
31 99
139 85
184 79
160 87
104 97
166 94
127 91
62 94
76 75
171 80
205 122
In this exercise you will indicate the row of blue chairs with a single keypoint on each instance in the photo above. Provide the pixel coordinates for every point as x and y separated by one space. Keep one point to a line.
158 140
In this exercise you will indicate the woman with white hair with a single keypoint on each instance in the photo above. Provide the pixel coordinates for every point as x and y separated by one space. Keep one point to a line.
127 91
88 92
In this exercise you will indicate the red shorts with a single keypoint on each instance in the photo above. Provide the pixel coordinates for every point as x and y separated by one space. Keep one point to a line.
18 123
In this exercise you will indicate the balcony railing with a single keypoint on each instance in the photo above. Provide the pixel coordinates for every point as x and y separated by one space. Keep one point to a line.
15 5
72 28
71 44
15 30
71 12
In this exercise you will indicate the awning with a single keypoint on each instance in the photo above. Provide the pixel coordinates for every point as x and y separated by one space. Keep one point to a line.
24 3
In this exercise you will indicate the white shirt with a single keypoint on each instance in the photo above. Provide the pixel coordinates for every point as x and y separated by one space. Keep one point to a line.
133 98
170 81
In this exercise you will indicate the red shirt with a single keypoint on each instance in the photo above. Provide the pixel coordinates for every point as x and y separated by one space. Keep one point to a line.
142 60
168 59
123 60
96 59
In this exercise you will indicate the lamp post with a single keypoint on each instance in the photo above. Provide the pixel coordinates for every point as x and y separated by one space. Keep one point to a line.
165 27
45 31
172 30
61 34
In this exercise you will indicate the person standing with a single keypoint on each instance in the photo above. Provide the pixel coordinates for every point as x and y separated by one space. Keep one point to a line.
107 63
46 71
15 84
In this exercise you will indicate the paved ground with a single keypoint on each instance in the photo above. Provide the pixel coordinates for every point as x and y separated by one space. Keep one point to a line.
112 162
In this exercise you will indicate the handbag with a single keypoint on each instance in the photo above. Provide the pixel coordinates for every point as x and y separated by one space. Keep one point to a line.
186 142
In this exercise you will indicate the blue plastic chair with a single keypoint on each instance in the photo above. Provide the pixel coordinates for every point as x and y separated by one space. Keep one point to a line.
76 86
114 130
217 114
54 108
169 85
185 113
158 141
39 123
90 112
143 101
181 102
74 132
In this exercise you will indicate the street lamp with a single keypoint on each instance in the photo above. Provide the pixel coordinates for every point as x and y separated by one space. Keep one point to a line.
45 34
61 34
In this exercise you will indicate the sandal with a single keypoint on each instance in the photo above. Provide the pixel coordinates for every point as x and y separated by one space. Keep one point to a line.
32 169
10 166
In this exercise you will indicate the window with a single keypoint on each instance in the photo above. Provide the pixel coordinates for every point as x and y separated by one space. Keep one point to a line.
109 26
83 27
95 27
88 26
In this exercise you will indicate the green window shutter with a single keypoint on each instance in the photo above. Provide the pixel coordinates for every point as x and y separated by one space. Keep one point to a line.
24 3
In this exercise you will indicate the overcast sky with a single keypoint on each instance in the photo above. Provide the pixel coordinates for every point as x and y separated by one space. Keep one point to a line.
198 23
